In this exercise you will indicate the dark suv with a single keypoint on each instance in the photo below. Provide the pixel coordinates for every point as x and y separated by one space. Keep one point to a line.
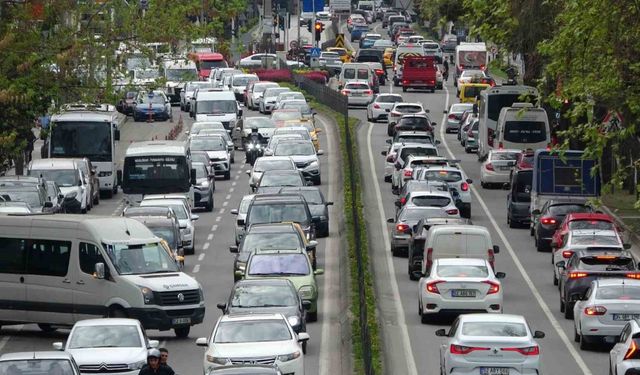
278 208
415 123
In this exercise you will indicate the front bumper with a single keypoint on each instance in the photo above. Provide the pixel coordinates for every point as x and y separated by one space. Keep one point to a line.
202 197
72 206
155 318
220 167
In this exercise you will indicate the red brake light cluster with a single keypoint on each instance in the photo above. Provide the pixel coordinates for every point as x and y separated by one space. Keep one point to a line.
408 172
452 211
493 287
401 228
632 352
464 186
432 286
595 310
346 92
566 254
376 106
489 167
548 221
461 350
529 350
577 275
368 92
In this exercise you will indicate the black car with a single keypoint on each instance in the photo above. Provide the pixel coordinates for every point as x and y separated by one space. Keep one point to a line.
204 187
415 123
245 370
272 181
584 266
278 208
547 220
318 206
519 198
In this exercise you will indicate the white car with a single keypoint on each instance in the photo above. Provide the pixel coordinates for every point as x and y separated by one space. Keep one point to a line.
255 98
403 108
241 213
239 83
377 109
459 285
456 179
187 93
113 344
217 150
357 93
185 218
625 355
277 138
490 344
266 339
269 163
605 309
418 162
288 95
258 59
496 169
454 115
269 98
466 76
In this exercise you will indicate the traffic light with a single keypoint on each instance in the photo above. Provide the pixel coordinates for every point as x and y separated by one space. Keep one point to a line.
319 27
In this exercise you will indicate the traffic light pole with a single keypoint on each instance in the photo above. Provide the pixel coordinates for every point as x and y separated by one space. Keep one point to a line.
313 20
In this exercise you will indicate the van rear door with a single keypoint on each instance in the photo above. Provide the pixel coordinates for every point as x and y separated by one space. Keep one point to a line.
458 244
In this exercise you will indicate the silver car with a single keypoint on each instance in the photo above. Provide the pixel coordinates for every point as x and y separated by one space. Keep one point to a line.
269 98
358 93
38 363
455 114
377 109
241 213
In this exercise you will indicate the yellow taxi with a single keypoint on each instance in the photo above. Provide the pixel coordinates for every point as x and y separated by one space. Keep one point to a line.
345 55
310 126
469 92
388 56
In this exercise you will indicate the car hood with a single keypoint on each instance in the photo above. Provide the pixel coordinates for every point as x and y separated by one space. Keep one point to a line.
164 282
252 349
217 154
215 117
96 356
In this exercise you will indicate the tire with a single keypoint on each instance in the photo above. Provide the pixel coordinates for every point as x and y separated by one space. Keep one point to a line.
576 335
46 328
209 207
304 347
117 312
227 175
425 318
555 279
115 190
317 181
584 343
394 252
568 311
540 246
511 223
531 231
96 200
562 305
182 332
404 89
109 193
83 210
312 316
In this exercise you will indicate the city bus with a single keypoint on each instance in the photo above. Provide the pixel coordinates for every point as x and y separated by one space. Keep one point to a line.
91 131
157 167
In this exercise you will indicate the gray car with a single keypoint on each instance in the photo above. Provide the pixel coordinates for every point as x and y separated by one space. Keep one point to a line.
403 225
455 114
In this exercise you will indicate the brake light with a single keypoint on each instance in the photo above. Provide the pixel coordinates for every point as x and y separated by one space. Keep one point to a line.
595 310
491 257
346 92
403 200
493 287
429 258
489 167
529 350
632 352
379 71
548 221
577 275
461 350
432 286
633 275
405 81
401 228
408 172
470 134
368 92
566 254
464 186
452 211
500 146
376 106
453 117
606 257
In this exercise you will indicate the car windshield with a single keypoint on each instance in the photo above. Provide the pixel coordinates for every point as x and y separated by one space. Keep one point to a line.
140 259
62 177
504 155
494 329
281 179
208 144
178 208
444 176
242 81
472 73
279 264
460 108
622 292
431 201
197 127
251 331
418 151
31 197
105 336
595 240
216 106
259 122
283 240
247 295
311 196
462 270
356 86
563 209
244 206
285 115
273 165
290 149
389 99
277 213
591 224
191 86
37 367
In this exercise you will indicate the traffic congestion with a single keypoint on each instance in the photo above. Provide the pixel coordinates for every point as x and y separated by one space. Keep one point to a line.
196 228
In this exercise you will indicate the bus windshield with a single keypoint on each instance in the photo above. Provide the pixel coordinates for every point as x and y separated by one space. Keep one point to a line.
82 139
212 64
155 174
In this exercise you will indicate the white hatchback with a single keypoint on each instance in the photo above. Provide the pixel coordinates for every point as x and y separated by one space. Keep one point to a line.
459 285
496 169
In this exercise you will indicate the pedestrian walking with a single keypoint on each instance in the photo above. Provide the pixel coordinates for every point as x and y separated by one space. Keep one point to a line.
445 72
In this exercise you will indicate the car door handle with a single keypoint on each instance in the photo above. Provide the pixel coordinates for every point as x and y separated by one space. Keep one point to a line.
66 281
81 282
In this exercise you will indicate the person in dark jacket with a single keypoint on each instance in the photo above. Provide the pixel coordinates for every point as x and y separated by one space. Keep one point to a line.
153 366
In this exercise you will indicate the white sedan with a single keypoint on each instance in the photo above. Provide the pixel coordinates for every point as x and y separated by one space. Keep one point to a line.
358 93
117 345
377 109
256 338
605 309
625 355
459 285
490 344
496 169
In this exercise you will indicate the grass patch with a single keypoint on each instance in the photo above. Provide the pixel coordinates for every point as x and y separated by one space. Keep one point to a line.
372 317
496 70
622 204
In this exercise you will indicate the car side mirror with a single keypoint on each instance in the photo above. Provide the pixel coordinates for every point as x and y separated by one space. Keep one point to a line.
238 274
397 203
58 345
434 123
387 110
233 249
506 186
222 306
500 275
202 341
561 264
312 244
116 134
383 153
391 220
536 212
469 181
318 271
234 211
626 246
240 113
153 344
303 337
417 274
538 335
99 271
306 305
194 217
441 332
60 196
496 249
320 152
388 141
48 204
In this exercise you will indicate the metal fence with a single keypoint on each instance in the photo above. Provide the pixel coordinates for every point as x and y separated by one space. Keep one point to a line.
339 103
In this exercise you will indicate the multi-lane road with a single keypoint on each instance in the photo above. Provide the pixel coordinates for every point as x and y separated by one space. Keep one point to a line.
212 264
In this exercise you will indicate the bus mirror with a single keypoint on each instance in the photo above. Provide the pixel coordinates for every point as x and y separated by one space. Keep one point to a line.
119 177
116 135
193 176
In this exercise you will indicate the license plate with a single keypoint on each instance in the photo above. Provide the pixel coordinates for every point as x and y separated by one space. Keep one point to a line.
494 371
181 321
356 94
418 81
505 168
625 316
463 293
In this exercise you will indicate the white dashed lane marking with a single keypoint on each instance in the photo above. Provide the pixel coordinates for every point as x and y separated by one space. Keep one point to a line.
210 237
222 210
201 256
205 246
224 204
218 219
196 268
214 228
233 184
231 189
228 197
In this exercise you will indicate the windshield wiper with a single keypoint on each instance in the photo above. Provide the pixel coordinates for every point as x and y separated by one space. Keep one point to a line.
161 271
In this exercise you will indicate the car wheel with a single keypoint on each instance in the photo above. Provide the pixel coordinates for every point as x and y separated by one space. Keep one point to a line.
531 231
568 311
182 332
562 305
404 89
210 204
576 335
116 312
109 193
312 316
425 318
539 245
317 181
394 251
555 279
227 175
584 343
304 347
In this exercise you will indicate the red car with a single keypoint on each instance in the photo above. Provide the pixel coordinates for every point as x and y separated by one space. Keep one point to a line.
597 221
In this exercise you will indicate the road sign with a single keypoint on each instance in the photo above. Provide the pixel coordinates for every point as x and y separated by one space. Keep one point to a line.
312 5
315 52
340 40
612 121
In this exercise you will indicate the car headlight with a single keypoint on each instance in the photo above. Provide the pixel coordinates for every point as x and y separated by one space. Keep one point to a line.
204 184
313 164
242 266
186 230
147 295
306 292
289 357
136 365
201 294
218 360
293 320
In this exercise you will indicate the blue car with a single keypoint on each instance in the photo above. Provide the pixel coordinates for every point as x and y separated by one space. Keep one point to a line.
357 32
152 105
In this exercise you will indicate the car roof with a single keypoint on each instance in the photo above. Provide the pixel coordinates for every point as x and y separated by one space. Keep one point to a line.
401 133
431 191
266 198
617 281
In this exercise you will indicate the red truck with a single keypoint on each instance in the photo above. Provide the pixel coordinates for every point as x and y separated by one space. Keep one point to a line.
419 72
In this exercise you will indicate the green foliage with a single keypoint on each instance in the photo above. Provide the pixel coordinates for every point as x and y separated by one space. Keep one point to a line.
438 12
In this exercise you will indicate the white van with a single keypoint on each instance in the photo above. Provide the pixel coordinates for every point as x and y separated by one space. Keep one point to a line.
523 126
57 270
355 72
217 106
458 241
73 183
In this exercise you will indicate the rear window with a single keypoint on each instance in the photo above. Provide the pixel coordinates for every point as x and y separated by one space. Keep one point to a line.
525 131
431 201
421 122
363 73
522 187
461 270
357 86
407 109
606 263
389 99
623 292
591 224
418 151
564 209
454 243
473 91
422 139
504 156
494 329
595 240
444 176
349 73
414 214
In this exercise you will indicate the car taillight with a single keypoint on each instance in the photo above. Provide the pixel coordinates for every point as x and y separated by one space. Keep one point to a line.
429 258
379 71
461 350
401 228
529 350
452 116
452 211
391 158
403 200
595 310
405 81
491 257
346 92
577 275
432 286
566 254
368 92
500 146
633 275
464 186
489 167
493 287
548 221
376 106
408 172
632 352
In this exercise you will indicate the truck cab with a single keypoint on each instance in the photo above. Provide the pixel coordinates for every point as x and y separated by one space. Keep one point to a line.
419 72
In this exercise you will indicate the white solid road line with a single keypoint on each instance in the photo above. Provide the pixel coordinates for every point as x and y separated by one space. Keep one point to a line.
404 332
545 308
